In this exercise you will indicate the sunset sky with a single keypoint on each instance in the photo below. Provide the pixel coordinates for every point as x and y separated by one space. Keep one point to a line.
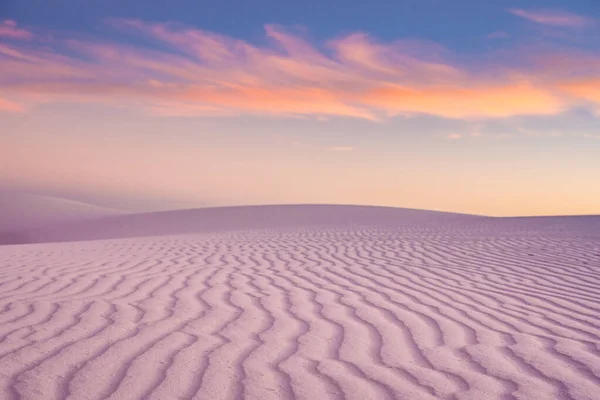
484 107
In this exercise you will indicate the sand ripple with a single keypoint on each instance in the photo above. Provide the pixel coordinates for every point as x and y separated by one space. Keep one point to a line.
479 312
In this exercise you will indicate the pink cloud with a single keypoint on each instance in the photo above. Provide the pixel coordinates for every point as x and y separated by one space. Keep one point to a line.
9 29
341 148
498 35
552 17
10 106
202 73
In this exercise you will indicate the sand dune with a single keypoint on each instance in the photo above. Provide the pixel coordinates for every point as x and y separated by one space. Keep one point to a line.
22 212
221 219
319 302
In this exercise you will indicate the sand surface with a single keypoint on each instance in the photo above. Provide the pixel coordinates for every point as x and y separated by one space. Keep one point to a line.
319 302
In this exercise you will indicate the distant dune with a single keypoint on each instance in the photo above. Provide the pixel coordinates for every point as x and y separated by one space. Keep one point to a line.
301 302
222 219
22 212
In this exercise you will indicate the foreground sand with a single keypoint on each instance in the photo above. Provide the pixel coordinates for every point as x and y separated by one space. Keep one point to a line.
485 309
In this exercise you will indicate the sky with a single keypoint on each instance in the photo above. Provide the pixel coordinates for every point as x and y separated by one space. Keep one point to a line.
481 107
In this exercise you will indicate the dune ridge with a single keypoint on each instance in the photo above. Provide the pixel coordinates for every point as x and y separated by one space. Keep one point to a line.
459 308
21 212
223 219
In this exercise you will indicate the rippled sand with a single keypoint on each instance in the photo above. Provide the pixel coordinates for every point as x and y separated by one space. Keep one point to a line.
480 309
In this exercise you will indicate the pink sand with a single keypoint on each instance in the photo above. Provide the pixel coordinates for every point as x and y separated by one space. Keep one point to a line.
306 302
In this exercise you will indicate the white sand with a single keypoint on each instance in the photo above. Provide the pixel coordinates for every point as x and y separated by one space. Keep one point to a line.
21 212
321 302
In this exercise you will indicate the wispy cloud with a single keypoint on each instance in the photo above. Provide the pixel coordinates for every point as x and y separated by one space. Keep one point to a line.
587 90
10 106
204 73
498 35
341 148
9 29
552 17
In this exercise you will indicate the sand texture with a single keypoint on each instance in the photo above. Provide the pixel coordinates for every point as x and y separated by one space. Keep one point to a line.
309 302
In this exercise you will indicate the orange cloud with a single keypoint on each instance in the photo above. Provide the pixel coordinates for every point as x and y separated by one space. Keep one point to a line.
489 100
203 73
552 17
587 90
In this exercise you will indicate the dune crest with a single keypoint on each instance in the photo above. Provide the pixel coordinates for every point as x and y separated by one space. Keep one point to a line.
22 212
223 219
